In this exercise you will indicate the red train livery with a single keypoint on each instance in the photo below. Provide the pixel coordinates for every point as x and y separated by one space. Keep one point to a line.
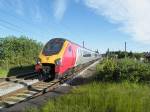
59 55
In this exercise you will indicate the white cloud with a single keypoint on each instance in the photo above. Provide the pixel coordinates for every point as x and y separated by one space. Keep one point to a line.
132 15
17 5
20 7
60 7
38 15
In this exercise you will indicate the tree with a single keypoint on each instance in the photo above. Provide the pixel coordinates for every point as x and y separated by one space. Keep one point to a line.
19 51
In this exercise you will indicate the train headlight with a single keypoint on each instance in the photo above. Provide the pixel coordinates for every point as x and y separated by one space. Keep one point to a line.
38 61
58 61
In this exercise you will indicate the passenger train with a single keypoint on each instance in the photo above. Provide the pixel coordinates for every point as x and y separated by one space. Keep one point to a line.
60 55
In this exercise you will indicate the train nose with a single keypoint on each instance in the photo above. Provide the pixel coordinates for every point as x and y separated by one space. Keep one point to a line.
47 58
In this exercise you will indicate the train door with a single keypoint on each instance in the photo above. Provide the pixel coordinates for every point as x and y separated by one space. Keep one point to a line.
67 60
71 56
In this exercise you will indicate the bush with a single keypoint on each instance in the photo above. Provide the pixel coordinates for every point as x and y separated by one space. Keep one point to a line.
106 70
123 69
18 51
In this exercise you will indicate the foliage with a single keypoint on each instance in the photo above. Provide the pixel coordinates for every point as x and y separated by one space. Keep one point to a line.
102 97
123 69
123 54
3 72
18 51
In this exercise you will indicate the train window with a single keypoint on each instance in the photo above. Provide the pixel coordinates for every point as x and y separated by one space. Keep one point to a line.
53 47
86 54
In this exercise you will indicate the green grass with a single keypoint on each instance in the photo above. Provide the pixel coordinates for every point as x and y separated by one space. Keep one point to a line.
120 87
3 73
101 97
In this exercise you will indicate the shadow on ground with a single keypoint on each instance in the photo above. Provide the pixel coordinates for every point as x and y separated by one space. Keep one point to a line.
82 81
16 71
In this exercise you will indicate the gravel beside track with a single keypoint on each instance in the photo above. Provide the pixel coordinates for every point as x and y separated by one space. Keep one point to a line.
8 87
10 84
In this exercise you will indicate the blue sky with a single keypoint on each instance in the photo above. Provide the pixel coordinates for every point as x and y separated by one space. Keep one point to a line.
102 24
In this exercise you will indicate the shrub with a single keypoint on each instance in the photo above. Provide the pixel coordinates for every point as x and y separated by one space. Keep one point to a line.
107 70
123 69
18 51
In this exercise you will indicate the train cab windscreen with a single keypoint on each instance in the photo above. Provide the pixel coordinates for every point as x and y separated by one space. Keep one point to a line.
53 47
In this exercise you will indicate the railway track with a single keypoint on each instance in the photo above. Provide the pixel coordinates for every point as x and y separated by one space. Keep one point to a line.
25 76
25 93
15 82
36 89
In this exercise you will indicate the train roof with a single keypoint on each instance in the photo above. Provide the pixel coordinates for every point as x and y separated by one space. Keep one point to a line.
75 44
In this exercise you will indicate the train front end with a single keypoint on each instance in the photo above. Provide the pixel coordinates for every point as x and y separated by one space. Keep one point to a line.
50 57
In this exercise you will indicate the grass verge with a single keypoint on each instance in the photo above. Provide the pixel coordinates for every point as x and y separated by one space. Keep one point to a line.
3 73
102 97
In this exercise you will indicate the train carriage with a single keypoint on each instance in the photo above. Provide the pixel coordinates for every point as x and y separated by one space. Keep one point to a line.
60 55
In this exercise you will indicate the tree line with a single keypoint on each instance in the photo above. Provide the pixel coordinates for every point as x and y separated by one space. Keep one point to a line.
123 54
18 51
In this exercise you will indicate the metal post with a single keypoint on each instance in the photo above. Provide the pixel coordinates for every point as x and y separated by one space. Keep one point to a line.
107 53
125 49
83 44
